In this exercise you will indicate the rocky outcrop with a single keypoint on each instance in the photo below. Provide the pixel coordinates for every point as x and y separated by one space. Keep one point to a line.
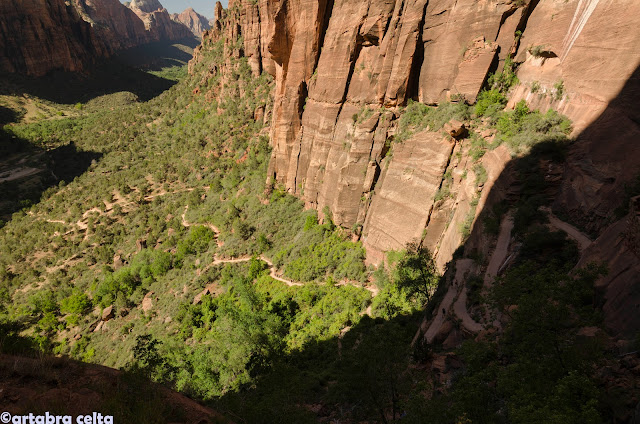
37 37
196 23
88 387
343 69
158 22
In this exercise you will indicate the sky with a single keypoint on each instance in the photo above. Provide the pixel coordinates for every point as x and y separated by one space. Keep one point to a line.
203 7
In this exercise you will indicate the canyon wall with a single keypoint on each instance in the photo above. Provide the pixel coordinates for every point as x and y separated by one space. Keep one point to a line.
343 70
36 37
118 26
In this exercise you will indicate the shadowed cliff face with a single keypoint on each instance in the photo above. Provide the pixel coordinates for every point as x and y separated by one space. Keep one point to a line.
36 37
118 26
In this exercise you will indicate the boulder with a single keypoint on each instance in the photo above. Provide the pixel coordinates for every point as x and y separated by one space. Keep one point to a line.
147 302
108 313
455 128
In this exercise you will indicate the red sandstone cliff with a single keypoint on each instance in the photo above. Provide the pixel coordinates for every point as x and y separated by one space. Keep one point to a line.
38 36
332 60
196 23
118 26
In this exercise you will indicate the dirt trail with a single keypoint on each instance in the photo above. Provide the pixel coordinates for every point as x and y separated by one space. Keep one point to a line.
217 260
19 173
186 223
273 273
582 239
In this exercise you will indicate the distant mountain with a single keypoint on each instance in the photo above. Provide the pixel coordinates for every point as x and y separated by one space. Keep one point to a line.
146 6
192 20
158 21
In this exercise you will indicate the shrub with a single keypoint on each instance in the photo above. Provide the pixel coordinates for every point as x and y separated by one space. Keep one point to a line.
535 87
559 88
418 116
490 102
536 51
506 79
77 303
522 128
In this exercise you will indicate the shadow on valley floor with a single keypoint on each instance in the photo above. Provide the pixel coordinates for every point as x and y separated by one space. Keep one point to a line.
126 71
372 373
107 77
159 55
26 170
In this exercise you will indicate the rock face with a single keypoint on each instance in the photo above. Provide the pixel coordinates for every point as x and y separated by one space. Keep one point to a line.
344 68
118 26
599 83
196 23
37 36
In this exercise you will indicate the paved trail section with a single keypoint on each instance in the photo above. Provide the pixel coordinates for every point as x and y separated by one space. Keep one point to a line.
500 253
18 173
463 266
582 239
458 287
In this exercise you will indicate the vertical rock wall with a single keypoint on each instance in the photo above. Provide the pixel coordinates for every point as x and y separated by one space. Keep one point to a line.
343 67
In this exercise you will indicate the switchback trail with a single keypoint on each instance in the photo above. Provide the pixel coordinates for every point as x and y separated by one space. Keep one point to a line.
463 266
273 272
500 253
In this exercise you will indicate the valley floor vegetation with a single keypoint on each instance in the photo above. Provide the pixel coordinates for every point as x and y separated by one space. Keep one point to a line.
177 188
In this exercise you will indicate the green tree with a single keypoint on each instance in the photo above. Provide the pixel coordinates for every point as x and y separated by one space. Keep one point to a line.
416 273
